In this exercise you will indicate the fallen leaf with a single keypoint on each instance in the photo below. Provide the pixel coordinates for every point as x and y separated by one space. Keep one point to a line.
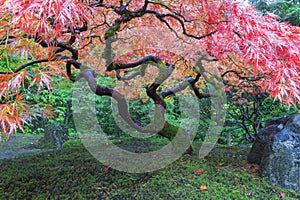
106 169
203 187
281 195
199 171
253 169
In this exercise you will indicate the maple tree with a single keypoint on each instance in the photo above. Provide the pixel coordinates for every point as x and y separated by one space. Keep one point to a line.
85 38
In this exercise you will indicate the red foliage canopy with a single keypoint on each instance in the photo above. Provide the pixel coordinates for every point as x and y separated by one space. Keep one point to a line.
62 34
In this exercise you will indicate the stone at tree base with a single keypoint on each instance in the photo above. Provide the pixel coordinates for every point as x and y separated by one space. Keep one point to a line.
277 150
56 134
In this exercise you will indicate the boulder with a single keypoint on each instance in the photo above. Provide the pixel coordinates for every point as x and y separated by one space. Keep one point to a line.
56 134
277 151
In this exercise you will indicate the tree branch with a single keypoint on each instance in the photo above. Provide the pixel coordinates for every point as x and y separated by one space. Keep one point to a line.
182 86
162 16
115 66
35 62
238 74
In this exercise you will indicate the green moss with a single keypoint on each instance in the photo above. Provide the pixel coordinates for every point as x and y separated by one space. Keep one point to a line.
169 131
111 31
71 143
112 67
72 173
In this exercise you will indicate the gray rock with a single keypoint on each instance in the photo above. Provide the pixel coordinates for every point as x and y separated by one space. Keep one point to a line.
262 141
56 134
277 150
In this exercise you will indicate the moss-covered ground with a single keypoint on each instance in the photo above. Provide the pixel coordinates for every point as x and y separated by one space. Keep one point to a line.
72 173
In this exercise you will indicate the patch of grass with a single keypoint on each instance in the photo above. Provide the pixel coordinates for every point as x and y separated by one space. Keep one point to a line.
72 173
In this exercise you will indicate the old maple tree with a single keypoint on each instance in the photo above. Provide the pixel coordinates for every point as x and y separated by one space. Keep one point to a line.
92 38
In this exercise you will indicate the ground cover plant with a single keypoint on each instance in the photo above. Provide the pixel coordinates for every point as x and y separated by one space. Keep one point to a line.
73 173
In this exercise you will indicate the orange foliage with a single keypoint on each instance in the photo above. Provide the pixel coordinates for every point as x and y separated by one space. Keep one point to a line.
233 33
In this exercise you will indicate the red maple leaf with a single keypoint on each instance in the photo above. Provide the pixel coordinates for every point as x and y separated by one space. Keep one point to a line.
281 195
106 169
199 171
